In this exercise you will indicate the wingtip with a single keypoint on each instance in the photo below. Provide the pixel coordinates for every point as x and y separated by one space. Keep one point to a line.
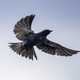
33 15
78 51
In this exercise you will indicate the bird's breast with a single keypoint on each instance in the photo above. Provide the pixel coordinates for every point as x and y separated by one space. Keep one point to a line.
33 40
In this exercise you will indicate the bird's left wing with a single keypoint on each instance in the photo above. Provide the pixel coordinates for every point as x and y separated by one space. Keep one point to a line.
23 27
55 49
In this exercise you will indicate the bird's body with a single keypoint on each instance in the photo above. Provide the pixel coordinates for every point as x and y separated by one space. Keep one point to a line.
36 38
30 39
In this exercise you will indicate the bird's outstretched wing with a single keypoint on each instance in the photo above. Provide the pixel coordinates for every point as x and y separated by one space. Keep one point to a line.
55 49
23 27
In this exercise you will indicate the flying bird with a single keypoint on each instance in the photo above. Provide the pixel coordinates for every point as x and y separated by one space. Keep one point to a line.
28 39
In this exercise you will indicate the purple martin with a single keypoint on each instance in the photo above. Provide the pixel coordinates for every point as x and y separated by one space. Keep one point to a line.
28 39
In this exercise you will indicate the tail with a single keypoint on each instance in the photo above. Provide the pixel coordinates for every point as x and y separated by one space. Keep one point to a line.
21 50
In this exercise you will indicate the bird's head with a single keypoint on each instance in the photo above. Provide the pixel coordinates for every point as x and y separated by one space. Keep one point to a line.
46 32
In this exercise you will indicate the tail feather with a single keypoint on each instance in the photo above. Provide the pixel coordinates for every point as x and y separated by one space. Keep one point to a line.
21 50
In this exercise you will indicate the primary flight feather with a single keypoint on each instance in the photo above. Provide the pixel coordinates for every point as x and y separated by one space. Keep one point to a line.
30 39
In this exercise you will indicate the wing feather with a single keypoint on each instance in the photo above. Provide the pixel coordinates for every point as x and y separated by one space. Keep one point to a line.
23 27
56 49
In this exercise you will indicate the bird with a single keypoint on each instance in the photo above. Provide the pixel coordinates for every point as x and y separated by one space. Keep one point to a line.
28 39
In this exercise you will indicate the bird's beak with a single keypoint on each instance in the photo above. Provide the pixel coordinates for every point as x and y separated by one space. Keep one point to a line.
51 31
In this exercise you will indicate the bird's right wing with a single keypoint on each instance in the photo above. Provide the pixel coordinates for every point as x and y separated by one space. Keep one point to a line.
23 27
55 49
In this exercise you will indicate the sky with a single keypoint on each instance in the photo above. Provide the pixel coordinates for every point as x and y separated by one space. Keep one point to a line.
61 16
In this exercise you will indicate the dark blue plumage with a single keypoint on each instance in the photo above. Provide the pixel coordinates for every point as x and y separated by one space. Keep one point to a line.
30 39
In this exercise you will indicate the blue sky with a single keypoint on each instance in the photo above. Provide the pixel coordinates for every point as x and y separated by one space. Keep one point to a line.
61 16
